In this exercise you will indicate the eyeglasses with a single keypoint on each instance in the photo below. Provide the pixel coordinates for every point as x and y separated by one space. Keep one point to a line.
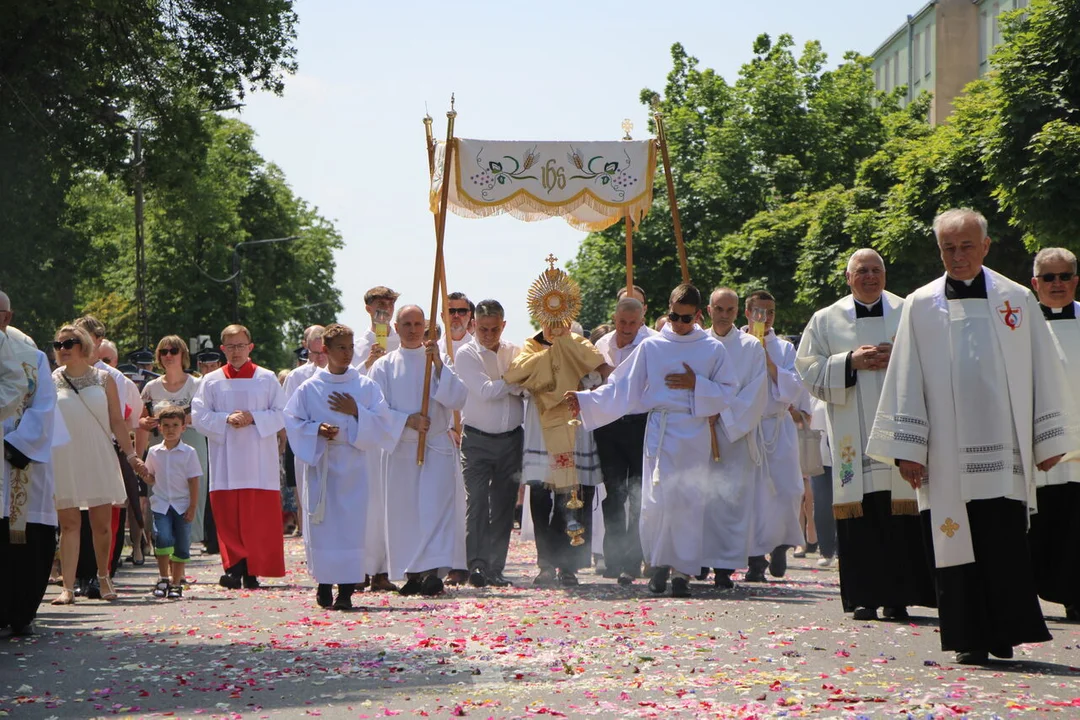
458 311
236 346
1050 277
169 351
66 344
676 317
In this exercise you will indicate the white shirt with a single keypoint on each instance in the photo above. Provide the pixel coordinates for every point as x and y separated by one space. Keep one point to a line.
613 354
128 394
172 469
297 376
493 406
459 344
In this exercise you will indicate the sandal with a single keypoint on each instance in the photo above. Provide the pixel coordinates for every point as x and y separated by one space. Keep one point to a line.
176 592
66 597
162 588
108 592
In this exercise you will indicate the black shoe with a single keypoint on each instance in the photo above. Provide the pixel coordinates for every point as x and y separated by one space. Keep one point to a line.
411 586
680 587
778 561
568 578
703 575
895 613
811 547
658 582
864 613
79 590
722 580
230 582
1072 613
972 657
610 573
625 580
756 571
497 580
457 577
251 582
93 589
210 550
546 578
324 596
431 586
23 630
1005 652
344 597
477 578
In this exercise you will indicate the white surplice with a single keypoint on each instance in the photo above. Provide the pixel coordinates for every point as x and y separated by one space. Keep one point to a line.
34 430
335 477
974 393
822 362
779 496
730 502
12 379
1066 334
241 458
677 465
365 342
424 523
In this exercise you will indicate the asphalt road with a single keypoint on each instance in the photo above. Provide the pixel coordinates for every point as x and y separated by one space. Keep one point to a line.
781 650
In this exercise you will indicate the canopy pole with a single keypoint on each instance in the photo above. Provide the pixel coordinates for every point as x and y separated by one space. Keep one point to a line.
441 264
440 233
629 256
661 139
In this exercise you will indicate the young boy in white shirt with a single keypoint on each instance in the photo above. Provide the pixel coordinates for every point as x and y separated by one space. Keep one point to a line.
175 472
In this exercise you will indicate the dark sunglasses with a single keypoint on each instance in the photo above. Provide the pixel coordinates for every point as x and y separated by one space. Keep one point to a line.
169 351
66 344
1063 277
676 317
458 311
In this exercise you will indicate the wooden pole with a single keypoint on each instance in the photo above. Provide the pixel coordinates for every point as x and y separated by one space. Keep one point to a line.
661 138
629 257
440 233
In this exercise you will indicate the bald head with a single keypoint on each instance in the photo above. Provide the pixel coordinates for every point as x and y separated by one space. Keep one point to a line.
723 310
866 275
410 326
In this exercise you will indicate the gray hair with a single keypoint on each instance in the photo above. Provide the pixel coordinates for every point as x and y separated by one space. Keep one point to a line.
1052 254
956 218
860 253
630 304
575 327
489 308
5 302
313 332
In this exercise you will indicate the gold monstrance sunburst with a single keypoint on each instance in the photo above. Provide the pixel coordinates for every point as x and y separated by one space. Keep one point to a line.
554 298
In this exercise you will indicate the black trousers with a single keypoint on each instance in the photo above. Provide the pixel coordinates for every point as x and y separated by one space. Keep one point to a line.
87 568
210 538
1055 544
619 446
550 517
492 470
26 569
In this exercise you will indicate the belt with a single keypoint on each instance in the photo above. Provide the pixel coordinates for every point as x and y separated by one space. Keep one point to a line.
637 417
497 436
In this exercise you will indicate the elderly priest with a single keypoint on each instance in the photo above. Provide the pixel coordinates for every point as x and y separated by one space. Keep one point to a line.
972 404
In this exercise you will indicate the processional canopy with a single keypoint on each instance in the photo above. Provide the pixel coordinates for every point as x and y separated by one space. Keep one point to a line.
592 185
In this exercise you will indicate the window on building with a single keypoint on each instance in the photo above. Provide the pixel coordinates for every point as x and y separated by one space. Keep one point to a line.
896 69
886 86
995 34
983 39
927 61
1021 4
877 79
916 55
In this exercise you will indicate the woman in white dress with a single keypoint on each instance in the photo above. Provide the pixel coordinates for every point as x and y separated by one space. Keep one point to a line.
174 387
87 470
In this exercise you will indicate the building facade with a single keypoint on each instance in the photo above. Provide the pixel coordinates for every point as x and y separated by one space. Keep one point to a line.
940 49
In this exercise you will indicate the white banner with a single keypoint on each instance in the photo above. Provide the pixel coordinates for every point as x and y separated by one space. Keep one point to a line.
593 185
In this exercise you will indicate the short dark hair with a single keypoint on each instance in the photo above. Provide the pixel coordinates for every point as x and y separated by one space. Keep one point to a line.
171 412
686 294
489 308
335 330
461 296
760 295
380 292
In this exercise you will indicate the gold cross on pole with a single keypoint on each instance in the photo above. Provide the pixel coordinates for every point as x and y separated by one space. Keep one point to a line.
551 260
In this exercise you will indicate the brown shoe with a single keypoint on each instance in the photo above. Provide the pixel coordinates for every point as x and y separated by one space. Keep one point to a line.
457 577
381 583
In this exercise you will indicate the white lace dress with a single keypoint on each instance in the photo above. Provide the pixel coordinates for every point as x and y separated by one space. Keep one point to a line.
86 469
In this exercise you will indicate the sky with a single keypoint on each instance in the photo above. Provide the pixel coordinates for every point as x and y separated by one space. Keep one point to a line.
349 135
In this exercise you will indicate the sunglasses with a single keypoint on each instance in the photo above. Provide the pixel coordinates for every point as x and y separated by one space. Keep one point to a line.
1063 277
676 317
458 311
169 351
66 344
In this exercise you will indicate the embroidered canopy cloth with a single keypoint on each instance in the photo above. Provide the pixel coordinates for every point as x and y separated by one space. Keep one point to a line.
593 185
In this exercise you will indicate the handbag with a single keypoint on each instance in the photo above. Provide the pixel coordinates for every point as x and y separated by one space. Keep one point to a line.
130 478
810 460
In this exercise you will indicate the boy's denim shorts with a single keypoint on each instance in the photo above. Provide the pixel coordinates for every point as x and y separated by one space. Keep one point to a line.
173 536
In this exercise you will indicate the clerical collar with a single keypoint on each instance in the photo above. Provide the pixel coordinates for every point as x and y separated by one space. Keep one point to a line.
965 289
244 372
1066 313
862 310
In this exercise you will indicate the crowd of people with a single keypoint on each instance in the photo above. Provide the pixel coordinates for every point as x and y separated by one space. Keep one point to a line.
923 444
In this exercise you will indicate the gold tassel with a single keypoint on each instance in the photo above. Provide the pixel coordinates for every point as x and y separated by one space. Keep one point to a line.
848 511
905 507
